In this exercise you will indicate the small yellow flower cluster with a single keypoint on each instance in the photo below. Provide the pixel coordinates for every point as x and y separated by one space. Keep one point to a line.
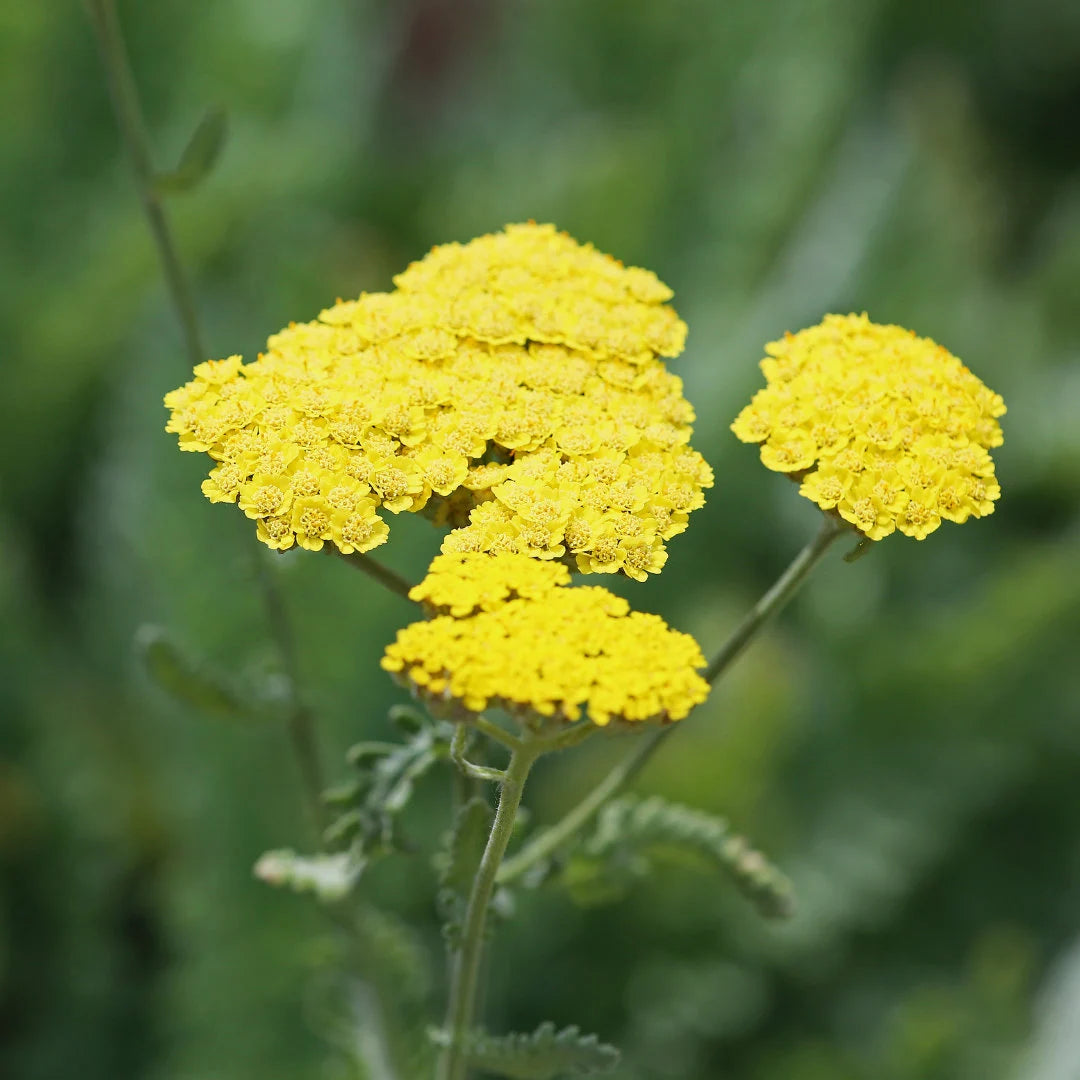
512 386
519 639
459 585
887 429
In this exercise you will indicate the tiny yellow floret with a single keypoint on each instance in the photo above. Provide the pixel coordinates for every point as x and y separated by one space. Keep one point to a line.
512 634
522 367
881 427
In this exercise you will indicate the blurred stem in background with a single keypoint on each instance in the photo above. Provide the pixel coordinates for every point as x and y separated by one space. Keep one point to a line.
128 108
770 604
125 99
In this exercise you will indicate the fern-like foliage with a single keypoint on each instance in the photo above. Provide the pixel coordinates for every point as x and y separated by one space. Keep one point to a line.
366 809
545 1054
630 831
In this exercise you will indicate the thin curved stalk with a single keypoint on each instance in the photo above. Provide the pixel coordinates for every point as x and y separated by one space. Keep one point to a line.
128 108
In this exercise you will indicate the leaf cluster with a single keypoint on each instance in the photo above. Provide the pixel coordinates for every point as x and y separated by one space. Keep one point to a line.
366 810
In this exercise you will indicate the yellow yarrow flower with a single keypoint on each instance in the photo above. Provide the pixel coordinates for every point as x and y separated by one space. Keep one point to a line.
515 636
522 367
886 429
459 585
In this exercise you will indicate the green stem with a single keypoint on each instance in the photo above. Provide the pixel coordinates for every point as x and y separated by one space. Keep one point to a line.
389 579
300 720
784 588
550 840
125 99
495 733
465 971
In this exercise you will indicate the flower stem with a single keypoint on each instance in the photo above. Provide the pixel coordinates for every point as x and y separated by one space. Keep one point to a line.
125 99
465 970
550 840
389 579
783 589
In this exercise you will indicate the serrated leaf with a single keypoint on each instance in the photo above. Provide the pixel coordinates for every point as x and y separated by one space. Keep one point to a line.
545 1054
466 847
189 681
198 156
329 877
630 827
459 861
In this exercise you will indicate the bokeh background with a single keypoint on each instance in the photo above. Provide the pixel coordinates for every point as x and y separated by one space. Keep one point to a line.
905 741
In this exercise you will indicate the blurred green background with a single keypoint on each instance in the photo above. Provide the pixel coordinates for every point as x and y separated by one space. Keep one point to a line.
905 741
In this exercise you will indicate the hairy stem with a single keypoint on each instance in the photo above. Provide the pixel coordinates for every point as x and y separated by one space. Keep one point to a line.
550 840
125 99
465 966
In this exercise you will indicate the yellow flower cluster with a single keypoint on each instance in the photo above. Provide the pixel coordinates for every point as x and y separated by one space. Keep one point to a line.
520 639
887 429
512 387
459 585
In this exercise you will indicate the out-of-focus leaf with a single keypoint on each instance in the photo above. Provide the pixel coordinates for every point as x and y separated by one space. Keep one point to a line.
193 682
545 1054
199 155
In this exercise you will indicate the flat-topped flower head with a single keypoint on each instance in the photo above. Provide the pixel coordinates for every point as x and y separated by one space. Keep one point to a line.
522 368
533 283
886 429
525 641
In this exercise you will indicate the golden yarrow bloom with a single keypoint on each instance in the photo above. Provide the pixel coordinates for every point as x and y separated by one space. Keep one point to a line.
522 369
886 429
515 636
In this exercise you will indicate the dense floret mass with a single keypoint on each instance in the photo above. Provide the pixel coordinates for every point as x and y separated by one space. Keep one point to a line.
459 585
526 642
511 388
886 429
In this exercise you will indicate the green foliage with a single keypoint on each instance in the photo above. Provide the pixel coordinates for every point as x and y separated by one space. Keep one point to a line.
630 832
545 1054
459 862
199 155
365 824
